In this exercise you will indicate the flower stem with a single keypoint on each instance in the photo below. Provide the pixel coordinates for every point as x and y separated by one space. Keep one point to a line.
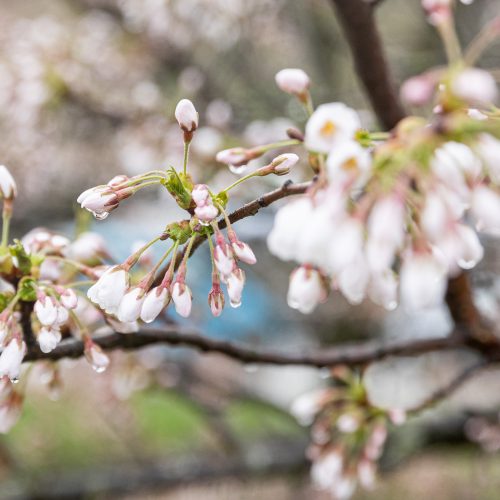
448 33
239 181
276 145
170 271
186 156
482 41
132 260
5 228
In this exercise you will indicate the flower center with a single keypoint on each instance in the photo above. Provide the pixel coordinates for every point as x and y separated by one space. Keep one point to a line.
350 164
328 129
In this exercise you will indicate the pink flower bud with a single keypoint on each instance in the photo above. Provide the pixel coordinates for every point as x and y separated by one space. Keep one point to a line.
216 301
46 310
293 81
475 85
223 257
156 300
244 252
206 213
11 359
68 298
99 200
282 164
109 289
235 284
182 298
131 304
186 115
95 356
233 156
8 188
48 338
117 180
306 290
418 90
200 194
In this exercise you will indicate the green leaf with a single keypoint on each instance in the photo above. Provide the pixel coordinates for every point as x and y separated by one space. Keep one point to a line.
177 188
179 231
23 259
4 300
27 289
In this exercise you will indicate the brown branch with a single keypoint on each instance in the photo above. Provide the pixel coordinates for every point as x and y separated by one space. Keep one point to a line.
248 210
177 336
357 20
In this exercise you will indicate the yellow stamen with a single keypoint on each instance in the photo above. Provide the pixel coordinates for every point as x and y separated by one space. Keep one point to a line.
328 129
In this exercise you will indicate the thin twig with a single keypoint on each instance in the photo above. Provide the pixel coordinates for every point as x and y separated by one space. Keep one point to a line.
177 336
452 386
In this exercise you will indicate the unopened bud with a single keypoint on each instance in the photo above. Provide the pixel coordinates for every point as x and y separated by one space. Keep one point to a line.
293 81
8 188
186 115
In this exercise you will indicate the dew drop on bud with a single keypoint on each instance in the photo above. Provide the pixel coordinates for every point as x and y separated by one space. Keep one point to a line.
238 170
99 368
14 380
235 305
390 306
467 264
101 216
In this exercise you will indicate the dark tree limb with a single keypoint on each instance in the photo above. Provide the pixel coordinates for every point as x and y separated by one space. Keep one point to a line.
348 354
358 23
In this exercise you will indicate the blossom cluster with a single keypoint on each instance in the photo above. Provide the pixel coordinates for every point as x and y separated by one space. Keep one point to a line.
40 299
390 215
348 434
114 291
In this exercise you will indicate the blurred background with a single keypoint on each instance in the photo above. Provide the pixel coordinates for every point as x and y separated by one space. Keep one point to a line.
87 91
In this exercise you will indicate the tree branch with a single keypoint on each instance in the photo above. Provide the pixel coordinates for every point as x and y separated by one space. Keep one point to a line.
248 210
178 336
357 20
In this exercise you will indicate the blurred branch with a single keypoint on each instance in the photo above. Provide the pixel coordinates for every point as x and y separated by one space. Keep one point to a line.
274 457
452 386
348 354
358 23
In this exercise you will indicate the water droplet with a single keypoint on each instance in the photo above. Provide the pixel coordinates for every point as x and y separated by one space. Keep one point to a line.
391 305
100 216
467 264
238 170
325 373
55 394
99 368
14 380
235 305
